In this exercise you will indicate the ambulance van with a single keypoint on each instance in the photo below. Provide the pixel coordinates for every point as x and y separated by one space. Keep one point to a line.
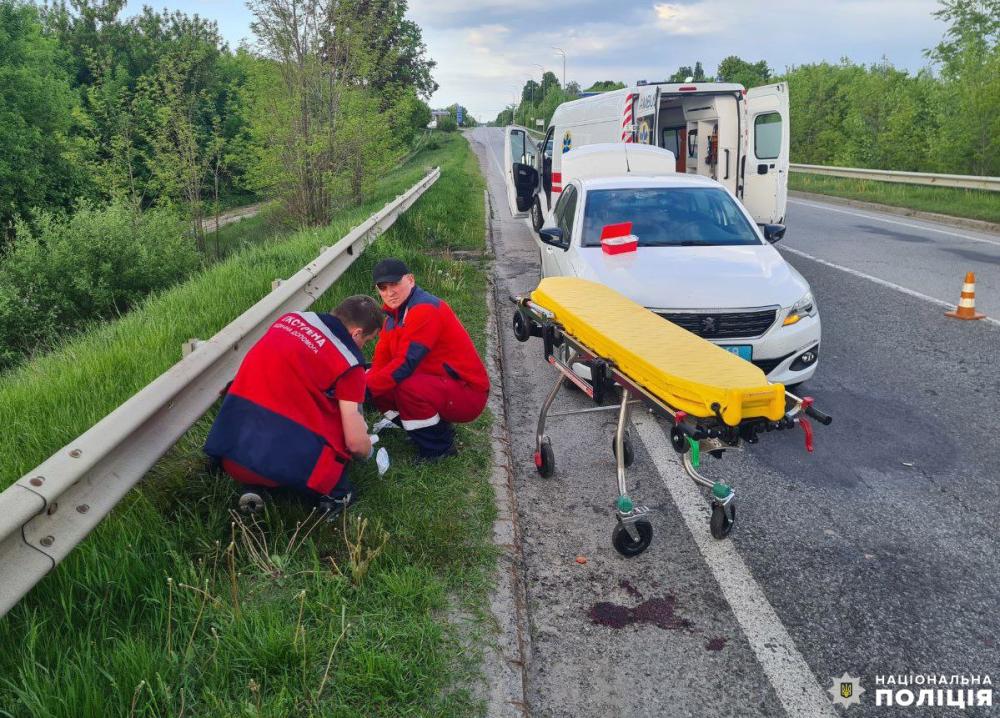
723 131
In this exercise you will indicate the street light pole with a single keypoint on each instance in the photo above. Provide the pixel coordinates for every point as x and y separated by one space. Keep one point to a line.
563 53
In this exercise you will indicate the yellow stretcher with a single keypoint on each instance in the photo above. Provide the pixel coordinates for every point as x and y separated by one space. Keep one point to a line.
714 399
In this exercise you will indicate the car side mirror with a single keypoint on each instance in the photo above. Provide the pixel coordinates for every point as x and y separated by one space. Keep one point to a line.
774 232
554 236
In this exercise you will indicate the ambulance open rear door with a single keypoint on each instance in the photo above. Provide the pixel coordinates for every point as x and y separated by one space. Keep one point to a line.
520 169
765 168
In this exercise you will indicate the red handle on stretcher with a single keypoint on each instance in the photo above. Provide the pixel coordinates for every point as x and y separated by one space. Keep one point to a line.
807 428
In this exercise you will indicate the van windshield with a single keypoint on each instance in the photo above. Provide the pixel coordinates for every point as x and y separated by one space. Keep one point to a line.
668 216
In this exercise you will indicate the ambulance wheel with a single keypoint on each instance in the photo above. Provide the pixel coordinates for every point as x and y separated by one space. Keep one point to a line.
625 545
536 215
720 525
522 330
545 460
629 451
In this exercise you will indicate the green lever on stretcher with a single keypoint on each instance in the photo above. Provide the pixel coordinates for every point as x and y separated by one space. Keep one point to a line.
695 452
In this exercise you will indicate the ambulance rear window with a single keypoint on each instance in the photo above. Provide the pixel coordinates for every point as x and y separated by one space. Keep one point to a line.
668 216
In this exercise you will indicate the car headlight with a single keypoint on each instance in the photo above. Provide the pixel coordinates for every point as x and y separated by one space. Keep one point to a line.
805 307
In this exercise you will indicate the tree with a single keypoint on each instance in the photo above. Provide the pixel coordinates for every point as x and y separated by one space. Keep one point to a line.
605 86
572 89
37 107
684 72
969 104
549 83
531 92
733 69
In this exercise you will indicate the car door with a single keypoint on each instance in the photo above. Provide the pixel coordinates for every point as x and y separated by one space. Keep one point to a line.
765 171
520 173
557 262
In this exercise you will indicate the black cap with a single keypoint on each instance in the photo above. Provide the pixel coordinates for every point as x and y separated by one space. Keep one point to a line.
390 270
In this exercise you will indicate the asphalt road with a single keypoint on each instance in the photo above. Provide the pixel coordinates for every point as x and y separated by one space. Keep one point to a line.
875 555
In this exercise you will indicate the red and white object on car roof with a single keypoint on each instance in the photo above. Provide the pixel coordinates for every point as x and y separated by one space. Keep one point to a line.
618 238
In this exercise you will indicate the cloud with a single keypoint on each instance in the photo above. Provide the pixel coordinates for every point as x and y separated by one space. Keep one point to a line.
687 19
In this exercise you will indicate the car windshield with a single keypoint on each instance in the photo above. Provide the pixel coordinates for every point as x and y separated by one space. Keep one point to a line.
668 216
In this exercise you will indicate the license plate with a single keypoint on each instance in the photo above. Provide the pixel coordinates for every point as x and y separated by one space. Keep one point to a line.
743 351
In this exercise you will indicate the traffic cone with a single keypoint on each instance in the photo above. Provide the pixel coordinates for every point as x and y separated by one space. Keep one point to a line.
967 304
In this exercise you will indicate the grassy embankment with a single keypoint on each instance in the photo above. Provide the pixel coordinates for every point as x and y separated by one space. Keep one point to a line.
970 204
169 609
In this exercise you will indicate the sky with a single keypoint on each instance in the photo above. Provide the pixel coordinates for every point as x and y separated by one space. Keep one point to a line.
487 49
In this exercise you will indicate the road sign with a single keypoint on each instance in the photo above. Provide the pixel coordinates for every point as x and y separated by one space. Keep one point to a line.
540 123
460 115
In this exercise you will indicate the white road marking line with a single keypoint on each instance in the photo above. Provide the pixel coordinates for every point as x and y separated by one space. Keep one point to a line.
796 686
884 283
876 218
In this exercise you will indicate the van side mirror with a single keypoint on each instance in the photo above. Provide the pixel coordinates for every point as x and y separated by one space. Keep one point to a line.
774 232
554 236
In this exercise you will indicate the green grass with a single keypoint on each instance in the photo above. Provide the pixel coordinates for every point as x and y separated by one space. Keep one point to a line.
169 609
970 204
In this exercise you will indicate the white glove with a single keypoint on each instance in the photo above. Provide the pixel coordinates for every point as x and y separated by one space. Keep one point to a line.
373 439
386 422
382 461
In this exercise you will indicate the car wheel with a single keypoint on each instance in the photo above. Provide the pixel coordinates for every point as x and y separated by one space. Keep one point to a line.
536 215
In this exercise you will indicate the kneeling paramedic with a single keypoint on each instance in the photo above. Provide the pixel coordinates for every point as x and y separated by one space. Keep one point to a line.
425 367
291 417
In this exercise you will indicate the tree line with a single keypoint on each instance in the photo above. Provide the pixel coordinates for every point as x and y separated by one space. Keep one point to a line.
943 118
157 110
119 135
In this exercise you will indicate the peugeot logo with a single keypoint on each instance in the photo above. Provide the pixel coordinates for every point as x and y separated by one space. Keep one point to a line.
709 325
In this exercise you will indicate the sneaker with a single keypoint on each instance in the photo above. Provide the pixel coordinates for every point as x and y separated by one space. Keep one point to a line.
252 501
333 507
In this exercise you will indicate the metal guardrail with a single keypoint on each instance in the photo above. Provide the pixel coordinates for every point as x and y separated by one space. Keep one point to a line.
925 178
54 506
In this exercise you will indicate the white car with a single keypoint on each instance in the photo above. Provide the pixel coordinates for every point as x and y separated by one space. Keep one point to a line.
701 263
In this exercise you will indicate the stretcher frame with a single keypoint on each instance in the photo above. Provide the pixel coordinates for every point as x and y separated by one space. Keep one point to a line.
690 436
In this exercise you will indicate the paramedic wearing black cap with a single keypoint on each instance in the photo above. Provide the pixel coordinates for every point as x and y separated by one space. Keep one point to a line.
425 365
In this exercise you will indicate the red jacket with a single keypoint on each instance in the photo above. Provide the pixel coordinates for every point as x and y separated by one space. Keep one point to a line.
280 419
424 335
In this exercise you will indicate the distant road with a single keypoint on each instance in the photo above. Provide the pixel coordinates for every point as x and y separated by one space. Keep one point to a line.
233 215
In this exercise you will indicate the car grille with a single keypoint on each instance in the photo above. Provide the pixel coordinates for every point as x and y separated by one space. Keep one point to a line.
723 325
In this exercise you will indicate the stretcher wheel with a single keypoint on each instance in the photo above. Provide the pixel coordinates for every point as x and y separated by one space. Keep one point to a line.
522 330
629 451
678 440
720 525
545 459
624 544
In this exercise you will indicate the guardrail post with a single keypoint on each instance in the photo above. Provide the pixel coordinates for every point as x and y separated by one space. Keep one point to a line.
190 345
276 283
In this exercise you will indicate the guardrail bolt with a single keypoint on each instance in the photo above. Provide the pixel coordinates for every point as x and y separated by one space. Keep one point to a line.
47 541
82 509
76 453
37 481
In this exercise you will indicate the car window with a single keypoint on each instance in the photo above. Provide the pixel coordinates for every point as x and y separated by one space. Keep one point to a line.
565 211
522 148
767 136
668 216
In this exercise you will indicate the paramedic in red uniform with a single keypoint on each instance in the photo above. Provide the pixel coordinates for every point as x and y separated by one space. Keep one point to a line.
425 366
291 417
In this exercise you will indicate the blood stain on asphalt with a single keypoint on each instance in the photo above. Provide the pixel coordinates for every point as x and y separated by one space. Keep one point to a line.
656 611
716 644
632 590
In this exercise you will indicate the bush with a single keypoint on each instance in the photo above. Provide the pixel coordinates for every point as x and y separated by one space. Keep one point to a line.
63 272
447 124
